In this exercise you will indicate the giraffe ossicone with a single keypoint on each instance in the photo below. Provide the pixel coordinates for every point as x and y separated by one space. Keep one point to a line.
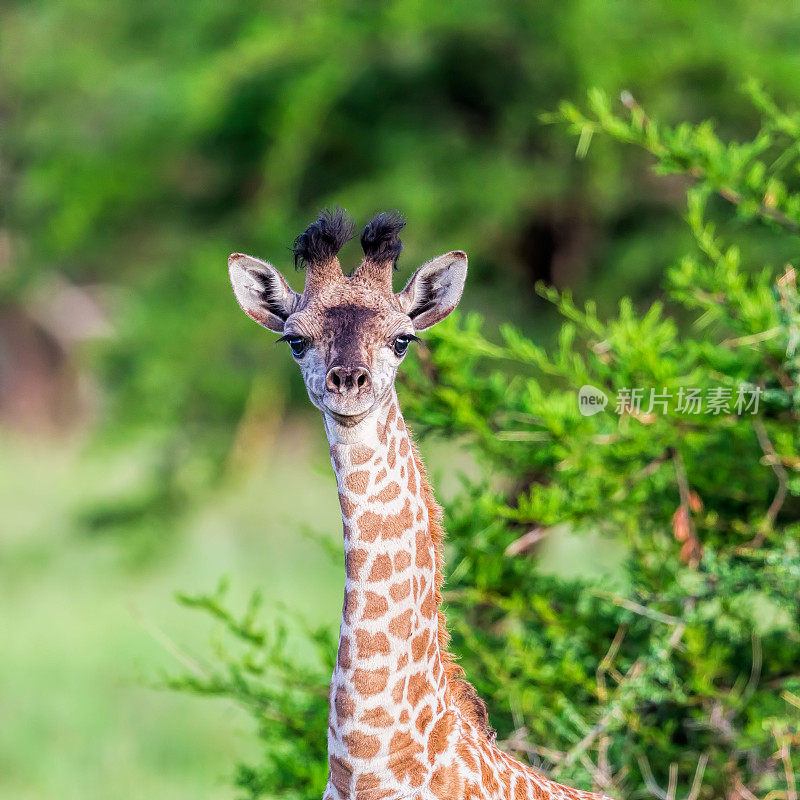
404 724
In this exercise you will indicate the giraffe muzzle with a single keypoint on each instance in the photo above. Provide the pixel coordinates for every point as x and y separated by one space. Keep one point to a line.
349 391
349 381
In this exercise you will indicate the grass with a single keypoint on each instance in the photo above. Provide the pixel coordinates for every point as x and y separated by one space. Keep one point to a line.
77 619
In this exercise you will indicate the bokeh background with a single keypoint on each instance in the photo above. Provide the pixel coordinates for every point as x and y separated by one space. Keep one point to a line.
151 438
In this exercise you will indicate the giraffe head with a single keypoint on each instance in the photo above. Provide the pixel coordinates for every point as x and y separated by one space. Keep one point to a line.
348 333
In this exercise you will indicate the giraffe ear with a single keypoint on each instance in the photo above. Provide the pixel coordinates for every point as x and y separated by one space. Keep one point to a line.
262 291
434 289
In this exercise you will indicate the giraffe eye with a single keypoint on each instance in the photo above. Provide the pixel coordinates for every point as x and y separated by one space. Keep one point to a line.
297 343
401 343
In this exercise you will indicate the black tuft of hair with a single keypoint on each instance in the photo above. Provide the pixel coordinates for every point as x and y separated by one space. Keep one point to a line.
322 240
380 238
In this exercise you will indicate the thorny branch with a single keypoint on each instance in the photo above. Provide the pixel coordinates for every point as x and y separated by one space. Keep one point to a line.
634 672
774 461
765 209
669 794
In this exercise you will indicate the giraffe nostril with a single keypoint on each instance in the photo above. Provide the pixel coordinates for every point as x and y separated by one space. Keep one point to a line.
362 379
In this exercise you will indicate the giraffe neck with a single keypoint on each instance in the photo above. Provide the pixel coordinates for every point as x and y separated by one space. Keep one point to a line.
388 690
403 723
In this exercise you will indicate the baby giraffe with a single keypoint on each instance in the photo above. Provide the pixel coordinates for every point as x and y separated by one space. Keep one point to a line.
404 724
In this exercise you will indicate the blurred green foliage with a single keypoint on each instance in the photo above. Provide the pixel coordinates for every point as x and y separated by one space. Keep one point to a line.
143 142
680 666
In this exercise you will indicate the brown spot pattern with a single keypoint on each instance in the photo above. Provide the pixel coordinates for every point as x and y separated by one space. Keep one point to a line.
423 718
343 656
381 569
423 556
369 526
340 775
343 705
399 690
357 482
446 783
367 781
360 454
347 507
370 681
388 493
350 605
412 480
403 761
437 741
378 717
419 644
362 745
399 591
371 644
428 606
418 688
354 559
395 525
402 560
382 432
375 607
400 626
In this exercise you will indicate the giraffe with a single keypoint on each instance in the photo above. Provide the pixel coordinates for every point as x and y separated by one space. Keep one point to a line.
404 724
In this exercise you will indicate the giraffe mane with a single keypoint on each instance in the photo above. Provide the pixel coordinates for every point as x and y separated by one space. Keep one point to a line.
462 692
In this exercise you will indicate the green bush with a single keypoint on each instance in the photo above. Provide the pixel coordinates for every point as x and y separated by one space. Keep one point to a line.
675 670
